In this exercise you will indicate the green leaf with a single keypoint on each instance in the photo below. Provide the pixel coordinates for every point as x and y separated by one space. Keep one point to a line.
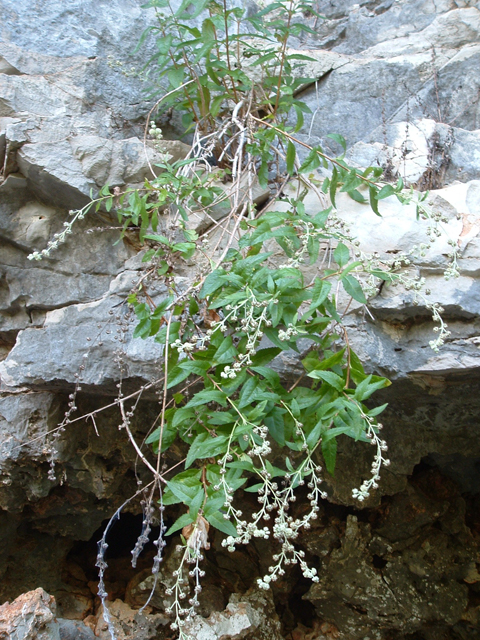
208 395
337 382
333 185
214 503
341 255
386 192
157 238
258 411
181 522
313 362
162 307
208 30
198 6
254 488
291 155
198 367
222 417
352 182
283 345
183 491
196 504
320 292
204 446
161 337
354 289
176 375
216 104
329 451
351 267
187 249
339 139
181 416
276 425
314 435
175 76
311 162
142 311
225 352
214 281
365 389
142 330
300 118
264 356
217 520
245 465
372 192
357 196
375 412
247 393
270 375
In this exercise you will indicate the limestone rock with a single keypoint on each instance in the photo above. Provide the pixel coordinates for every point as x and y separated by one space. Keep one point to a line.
120 162
392 573
249 617
31 615
24 422
74 630
93 332
129 623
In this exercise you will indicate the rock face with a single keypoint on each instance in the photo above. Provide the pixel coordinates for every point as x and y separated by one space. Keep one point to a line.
399 80
31 615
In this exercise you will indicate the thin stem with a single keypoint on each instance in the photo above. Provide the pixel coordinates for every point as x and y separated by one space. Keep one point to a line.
283 54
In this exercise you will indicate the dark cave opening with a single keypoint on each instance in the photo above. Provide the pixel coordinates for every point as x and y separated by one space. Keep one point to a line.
433 484
121 539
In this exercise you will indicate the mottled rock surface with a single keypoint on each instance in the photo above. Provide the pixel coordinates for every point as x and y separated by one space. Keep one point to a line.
30 616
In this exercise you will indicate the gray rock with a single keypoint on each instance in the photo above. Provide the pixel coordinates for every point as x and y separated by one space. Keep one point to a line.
74 630
425 153
129 623
367 24
464 156
451 95
93 339
31 615
117 162
369 580
449 31
353 100
251 616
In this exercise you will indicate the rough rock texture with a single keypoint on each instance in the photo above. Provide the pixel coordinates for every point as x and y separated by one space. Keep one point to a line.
399 79
31 615
251 615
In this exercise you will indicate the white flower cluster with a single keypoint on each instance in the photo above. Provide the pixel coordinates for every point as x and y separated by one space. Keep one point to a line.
251 323
363 492
286 335
273 497
184 347
181 588
441 329
263 448
59 238
231 372
118 65
434 231
157 135
373 263
286 528
452 270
